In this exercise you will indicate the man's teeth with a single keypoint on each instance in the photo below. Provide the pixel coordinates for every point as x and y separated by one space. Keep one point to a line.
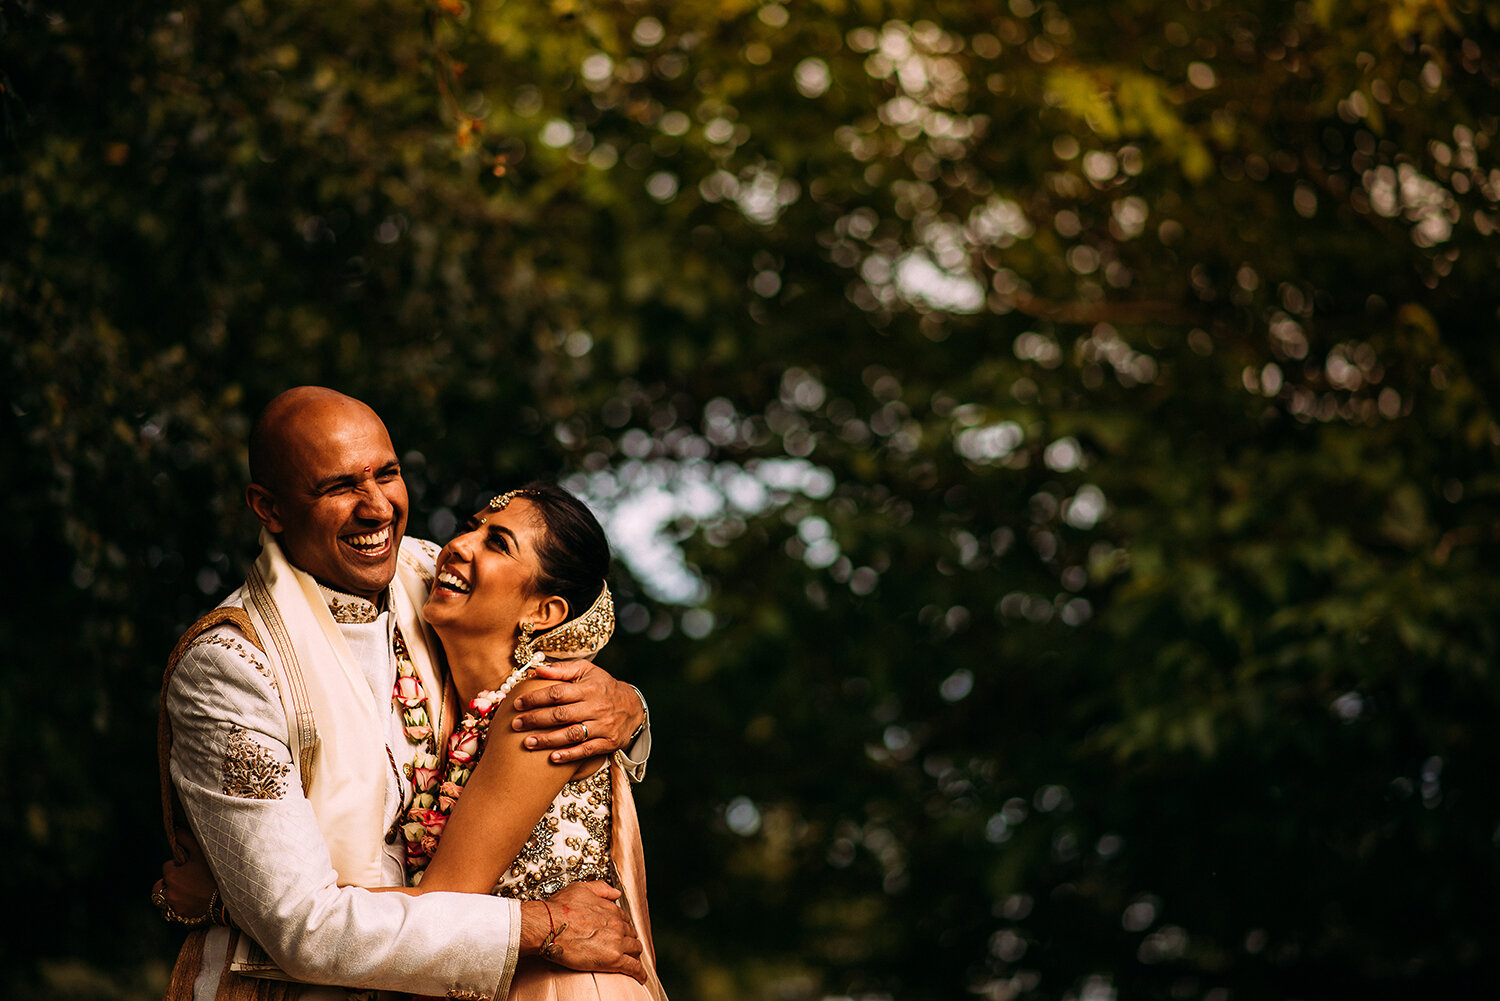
453 583
371 541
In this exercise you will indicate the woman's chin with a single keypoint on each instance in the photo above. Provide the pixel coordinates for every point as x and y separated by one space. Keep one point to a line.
438 612
451 620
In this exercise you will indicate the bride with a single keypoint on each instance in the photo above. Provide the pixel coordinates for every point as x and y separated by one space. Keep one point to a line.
523 582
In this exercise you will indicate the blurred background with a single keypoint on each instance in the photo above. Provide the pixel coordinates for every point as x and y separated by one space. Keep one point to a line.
1051 449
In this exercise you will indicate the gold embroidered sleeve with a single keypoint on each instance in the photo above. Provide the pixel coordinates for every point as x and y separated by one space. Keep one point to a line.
236 645
250 770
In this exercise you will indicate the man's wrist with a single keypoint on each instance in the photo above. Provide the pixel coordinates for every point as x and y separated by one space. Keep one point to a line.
533 927
645 717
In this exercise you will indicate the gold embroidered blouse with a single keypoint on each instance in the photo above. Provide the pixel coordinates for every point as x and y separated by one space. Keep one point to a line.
570 844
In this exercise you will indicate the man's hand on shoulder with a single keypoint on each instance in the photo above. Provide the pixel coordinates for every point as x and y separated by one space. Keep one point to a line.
581 927
586 713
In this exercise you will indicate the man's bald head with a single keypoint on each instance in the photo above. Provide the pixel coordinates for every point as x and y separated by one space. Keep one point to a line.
326 481
291 414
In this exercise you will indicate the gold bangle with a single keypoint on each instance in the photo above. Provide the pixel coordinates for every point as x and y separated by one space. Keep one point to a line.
645 717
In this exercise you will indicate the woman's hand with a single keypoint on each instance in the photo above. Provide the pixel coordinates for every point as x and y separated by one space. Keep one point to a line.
586 714
187 889
581 927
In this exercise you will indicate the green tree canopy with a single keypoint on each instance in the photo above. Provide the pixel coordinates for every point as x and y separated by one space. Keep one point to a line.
1052 449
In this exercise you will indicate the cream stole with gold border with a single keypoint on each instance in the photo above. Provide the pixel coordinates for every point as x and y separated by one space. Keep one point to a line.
335 729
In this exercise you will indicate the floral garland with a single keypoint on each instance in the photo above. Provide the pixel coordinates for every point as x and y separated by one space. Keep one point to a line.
429 813
415 721
410 693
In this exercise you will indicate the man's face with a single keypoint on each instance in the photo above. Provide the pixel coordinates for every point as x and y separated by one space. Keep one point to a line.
340 506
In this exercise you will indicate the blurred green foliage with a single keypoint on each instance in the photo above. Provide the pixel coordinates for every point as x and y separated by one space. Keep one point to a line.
1079 420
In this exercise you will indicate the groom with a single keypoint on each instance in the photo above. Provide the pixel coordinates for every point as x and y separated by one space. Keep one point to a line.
296 719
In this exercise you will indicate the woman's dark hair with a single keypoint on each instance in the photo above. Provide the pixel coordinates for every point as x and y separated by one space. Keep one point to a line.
573 555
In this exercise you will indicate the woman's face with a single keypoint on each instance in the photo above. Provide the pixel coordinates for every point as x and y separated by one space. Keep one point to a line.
484 574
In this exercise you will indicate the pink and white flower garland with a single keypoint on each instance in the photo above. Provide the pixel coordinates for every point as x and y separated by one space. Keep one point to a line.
429 812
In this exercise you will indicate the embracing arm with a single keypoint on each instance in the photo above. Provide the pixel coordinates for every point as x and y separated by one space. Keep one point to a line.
236 774
508 792
587 713
506 795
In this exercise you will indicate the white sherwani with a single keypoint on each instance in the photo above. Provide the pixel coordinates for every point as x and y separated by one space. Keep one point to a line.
237 766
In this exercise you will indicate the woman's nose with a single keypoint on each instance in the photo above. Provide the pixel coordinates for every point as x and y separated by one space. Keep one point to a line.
461 545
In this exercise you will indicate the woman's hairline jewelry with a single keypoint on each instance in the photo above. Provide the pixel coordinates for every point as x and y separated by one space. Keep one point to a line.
499 501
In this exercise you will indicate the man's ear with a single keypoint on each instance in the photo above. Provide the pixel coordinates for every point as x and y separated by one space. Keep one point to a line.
549 612
263 503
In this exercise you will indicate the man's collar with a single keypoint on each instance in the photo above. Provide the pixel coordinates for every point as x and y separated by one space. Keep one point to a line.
348 608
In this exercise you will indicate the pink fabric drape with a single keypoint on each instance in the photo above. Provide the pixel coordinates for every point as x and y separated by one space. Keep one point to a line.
538 980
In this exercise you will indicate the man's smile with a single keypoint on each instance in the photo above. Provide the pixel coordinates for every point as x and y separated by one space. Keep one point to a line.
376 543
